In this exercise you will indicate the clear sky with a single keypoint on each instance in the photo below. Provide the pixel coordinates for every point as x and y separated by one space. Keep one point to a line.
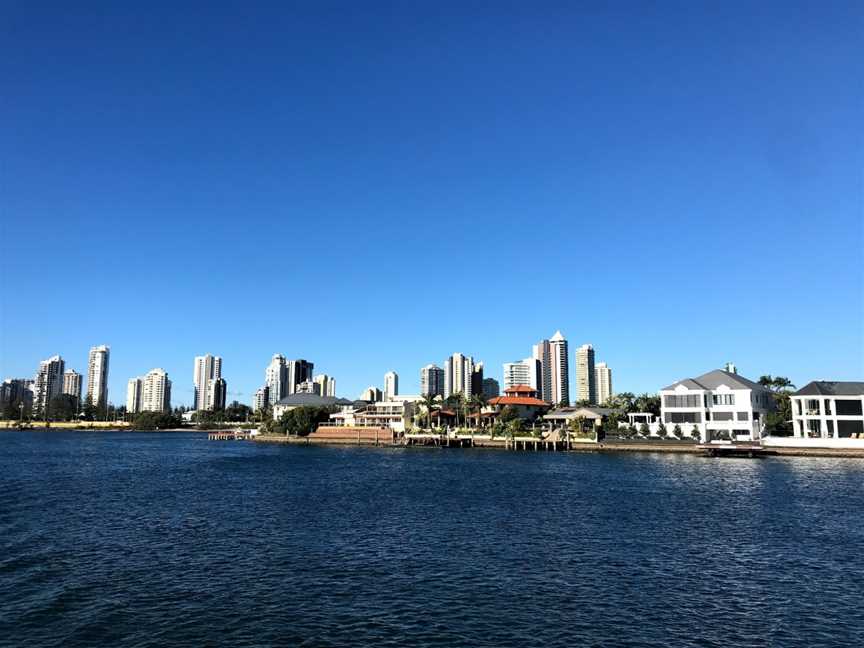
373 186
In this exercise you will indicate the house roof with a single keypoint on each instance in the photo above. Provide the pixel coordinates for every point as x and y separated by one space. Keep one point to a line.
518 400
312 400
576 412
520 389
713 379
831 388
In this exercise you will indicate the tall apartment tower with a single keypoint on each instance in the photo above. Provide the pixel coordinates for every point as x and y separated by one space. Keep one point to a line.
432 380
97 376
72 384
133 395
542 353
603 382
260 400
391 385
586 386
207 368
326 384
156 392
276 378
217 391
298 371
523 372
48 382
458 375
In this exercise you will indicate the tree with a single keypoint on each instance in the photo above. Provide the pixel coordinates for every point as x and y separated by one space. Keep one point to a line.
677 431
694 433
63 407
301 421
648 403
90 411
457 403
508 414
583 403
156 421
644 430
779 422
478 402
661 431
429 403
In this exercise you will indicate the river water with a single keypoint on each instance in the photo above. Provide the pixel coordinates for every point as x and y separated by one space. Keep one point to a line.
149 539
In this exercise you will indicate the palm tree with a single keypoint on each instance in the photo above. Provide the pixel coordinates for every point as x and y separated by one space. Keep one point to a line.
429 403
478 402
781 383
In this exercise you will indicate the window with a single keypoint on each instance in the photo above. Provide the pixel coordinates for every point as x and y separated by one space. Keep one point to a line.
721 416
723 399
683 417
743 416
811 406
814 429
681 401
846 429
848 407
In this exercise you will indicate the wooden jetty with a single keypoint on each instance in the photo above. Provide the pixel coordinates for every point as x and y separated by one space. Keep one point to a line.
229 435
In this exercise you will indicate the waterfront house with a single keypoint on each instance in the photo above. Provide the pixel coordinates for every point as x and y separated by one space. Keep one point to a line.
522 398
720 404
591 417
293 401
828 410
395 415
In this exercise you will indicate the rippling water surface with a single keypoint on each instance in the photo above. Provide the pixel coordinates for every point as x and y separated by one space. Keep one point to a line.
167 539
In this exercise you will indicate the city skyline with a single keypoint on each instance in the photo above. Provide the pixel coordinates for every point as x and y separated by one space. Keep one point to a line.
688 175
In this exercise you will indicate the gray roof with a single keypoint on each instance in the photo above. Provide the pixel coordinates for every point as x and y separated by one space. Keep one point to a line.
713 379
574 412
831 388
312 400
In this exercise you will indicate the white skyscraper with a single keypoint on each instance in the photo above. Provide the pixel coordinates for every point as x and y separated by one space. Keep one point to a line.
586 389
603 382
524 372
156 392
458 373
207 368
326 384
133 395
391 385
72 384
542 352
97 376
48 382
432 380
260 400
554 369
276 378
217 390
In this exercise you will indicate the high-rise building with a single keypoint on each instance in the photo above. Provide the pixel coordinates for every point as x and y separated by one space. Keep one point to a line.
217 391
156 392
72 384
459 375
298 372
391 385
372 394
16 397
523 372
554 384
207 368
326 384
477 379
261 398
491 389
586 388
276 379
603 382
308 387
133 395
48 382
432 380
97 376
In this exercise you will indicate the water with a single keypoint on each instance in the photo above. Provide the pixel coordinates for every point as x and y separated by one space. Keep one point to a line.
167 539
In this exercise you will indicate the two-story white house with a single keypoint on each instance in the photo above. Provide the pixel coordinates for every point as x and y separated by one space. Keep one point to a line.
720 404
828 410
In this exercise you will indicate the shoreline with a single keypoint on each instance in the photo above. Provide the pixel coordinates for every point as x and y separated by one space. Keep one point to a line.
602 447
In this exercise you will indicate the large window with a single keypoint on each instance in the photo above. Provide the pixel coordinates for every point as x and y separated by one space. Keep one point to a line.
814 429
690 400
743 416
722 416
811 406
847 428
723 399
683 417
848 407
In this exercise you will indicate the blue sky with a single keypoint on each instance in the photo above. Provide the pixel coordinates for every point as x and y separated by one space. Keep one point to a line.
373 186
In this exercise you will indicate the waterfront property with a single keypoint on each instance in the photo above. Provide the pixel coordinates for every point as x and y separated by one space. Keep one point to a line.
521 398
590 418
306 400
719 404
395 415
828 410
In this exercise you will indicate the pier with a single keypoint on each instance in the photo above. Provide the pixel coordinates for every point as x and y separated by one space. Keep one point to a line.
229 435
